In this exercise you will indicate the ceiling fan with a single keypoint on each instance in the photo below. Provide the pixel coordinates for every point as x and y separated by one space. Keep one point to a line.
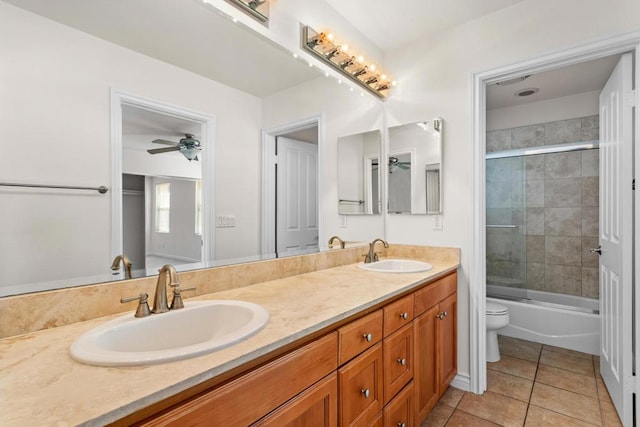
395 163
188 146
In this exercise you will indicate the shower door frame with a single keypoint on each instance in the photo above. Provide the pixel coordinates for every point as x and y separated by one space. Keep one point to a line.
599 48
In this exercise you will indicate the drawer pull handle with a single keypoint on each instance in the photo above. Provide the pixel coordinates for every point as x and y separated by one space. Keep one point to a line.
365 392
402 361
404 315
402 424
367 337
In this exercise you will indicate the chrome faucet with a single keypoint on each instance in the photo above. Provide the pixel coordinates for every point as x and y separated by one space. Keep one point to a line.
372 256
339 241
160 300
115 265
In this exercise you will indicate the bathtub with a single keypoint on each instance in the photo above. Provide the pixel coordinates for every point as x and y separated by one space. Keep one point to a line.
559 320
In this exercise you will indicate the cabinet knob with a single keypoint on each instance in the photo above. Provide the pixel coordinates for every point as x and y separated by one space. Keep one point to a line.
367 337
442 315
365 392
402 424
402 361
404 315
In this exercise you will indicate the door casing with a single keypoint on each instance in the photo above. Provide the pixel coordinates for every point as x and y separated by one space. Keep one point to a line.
599 48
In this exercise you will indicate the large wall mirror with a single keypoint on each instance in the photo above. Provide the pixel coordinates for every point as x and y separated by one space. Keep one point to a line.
66 63
358 174
414 168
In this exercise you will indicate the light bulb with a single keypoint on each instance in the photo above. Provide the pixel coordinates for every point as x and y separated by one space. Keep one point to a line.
351 89
372 67
339 81
344 48
235 20
326 74
383 77
393 83
310 64
295 55
360 58
330 36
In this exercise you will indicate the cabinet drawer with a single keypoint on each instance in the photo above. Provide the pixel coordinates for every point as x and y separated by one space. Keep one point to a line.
399 412
397 351
435 292
360 385
398 314
251 396
358 336
315 407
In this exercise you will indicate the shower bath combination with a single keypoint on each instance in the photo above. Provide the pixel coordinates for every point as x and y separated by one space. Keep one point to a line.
542 220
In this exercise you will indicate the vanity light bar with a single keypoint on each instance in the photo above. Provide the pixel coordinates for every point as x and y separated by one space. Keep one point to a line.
325 47
259 9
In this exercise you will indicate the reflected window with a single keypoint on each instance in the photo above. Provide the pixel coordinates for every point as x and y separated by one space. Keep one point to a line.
163 207
198 209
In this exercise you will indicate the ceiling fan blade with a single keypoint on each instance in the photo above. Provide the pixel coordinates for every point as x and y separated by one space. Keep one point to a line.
163 150
163 141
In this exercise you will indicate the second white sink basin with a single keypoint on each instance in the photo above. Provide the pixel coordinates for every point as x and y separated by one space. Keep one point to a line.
397 266
201 327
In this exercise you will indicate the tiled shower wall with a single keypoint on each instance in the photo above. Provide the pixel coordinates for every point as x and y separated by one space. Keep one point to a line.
553 201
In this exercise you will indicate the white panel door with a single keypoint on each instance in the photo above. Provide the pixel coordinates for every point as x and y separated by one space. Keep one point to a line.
616 156
297 197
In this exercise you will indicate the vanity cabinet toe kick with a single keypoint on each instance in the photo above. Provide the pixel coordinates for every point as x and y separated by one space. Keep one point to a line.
386 368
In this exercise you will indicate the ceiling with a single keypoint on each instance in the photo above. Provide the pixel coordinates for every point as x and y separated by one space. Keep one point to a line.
137 121
185 33
570 80
213 46
391 24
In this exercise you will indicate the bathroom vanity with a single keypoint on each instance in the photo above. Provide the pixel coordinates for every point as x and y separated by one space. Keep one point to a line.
379 369
343 346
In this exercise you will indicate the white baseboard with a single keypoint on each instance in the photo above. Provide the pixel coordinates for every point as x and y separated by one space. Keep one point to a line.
463 382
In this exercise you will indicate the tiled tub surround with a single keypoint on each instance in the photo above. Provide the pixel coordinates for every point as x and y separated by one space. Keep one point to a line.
553 199
41 385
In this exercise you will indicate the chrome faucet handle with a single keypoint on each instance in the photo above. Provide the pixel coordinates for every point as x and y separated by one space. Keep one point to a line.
143 306
176 301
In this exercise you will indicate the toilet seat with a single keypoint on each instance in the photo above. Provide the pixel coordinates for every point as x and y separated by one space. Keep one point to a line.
494 309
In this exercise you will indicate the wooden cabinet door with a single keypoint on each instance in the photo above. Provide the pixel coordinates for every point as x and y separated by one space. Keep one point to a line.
315 407
425 373
398 361
399 412
447 342
360 385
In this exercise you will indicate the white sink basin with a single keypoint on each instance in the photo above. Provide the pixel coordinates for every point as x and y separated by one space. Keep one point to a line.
201 327
397 266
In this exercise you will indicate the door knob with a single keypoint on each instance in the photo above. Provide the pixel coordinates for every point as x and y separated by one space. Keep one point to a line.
597 250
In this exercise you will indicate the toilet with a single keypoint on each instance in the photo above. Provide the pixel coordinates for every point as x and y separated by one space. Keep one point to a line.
497 318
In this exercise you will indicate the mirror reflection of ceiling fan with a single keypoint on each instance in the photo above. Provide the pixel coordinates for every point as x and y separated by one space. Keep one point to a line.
395 163
188 146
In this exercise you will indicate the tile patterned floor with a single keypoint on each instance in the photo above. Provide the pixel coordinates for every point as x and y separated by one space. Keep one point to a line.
532 385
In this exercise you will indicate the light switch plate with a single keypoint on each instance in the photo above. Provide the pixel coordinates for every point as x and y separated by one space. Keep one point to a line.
437 222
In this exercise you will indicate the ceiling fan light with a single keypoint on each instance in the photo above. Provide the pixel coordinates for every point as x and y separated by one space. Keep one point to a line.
189 153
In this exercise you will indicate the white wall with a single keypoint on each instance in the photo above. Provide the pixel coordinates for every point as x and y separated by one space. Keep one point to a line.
550 110
434 79
54 103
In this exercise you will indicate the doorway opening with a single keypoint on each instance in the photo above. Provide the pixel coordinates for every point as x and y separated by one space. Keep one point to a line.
291 219
162 181
491 210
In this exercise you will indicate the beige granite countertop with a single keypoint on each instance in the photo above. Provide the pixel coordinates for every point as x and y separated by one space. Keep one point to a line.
41 385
